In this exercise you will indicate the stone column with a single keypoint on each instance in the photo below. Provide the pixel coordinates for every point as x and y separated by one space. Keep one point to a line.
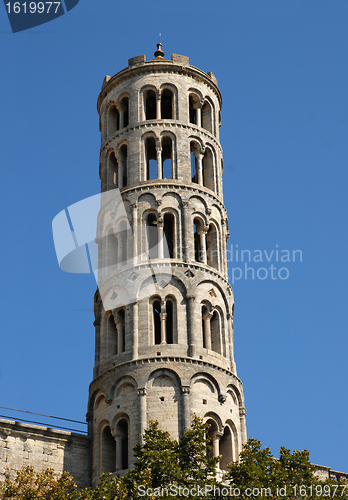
134 253
242 417
186 408
121 112
142 413
120 346
159 161
199 169
118 440
207 330
163 318
191 331
160 237
216 451
158 106
199 114
97 344
134 329
187 233
202 233
120 173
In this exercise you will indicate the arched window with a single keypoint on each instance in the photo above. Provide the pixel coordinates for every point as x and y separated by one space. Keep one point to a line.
121 330
125 110
208 170
205 333
156 310
151 158
152 235
196 226
194 151
207 118
124 159
212 247
167 104
113 171
122 243
150 105
211 435
168 230
225 448
113 120
108 451
193 168
192 110
111 249
167 158
122 443
215 332
111 336
169 321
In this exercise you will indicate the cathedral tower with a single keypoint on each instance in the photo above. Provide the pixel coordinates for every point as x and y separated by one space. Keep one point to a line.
164 307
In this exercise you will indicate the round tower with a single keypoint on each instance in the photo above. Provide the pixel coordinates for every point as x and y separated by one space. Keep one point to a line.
164 307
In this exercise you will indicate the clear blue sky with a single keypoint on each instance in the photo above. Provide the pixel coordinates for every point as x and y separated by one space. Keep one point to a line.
282 71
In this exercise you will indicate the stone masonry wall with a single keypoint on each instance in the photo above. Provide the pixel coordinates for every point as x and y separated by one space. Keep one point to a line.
41 447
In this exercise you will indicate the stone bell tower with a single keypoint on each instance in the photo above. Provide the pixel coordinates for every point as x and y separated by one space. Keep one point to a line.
164 307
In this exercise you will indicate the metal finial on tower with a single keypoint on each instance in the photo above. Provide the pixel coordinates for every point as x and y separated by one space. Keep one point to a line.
159 52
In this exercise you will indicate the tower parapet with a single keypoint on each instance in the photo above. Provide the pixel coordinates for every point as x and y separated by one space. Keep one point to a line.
164 347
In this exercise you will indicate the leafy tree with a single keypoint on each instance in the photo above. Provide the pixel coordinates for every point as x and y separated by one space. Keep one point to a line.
259 474
29 485
163 462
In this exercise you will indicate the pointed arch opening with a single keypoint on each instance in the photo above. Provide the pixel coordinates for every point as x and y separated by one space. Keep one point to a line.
111 249
215 328
197 241
225 448
108 451
152 235
167 158
113 121
151 158
207 118
208 169
192 111
124 159
168 229
111 336
113 171
150 105
212 247
169 321
122 443
125 110
156 311
167 104
211 436
122 243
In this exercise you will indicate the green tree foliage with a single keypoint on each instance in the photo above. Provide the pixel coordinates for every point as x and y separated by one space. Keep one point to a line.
163 462
29 485
259 474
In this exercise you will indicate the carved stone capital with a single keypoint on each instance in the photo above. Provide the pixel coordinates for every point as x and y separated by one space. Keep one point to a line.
185 390
222 398
89 416
158 202
185 204
208 211
108 400
242 411
190 297
141 391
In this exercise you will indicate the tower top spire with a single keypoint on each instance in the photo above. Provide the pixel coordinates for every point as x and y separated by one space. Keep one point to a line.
159 52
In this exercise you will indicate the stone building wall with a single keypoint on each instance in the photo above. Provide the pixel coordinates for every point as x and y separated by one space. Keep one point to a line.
42 447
